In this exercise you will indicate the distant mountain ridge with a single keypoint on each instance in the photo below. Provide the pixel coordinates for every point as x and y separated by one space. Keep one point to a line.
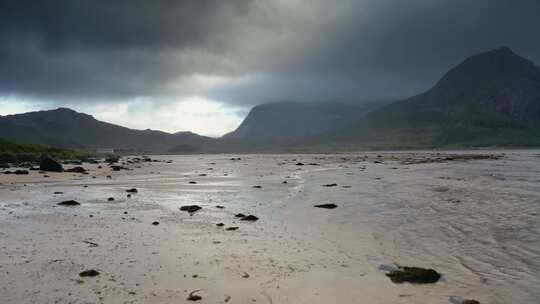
66 128
296 120
490 99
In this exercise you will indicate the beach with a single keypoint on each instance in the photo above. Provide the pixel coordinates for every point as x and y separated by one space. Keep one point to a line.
474 220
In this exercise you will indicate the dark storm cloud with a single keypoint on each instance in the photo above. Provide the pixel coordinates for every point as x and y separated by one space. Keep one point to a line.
303 50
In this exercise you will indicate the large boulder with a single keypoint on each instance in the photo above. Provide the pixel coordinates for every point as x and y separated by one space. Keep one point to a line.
49 164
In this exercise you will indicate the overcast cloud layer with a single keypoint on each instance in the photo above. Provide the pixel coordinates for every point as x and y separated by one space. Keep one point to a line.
215 59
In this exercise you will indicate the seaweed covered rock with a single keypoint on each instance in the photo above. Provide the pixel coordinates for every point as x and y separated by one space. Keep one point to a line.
415 275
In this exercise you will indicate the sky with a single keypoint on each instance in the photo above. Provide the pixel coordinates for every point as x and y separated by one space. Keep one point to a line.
200 65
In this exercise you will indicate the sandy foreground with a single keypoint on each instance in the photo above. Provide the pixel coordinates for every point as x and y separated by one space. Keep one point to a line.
477 222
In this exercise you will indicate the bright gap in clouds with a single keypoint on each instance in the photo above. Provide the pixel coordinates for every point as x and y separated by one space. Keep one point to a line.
196 114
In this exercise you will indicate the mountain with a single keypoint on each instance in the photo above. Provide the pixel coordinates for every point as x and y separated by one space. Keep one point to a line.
66 128
295 120
490 99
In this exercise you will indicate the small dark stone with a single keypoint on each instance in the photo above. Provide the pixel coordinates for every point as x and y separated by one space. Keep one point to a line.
470 302
21 172
110 199
69 203
191 209
76 170
155 223
414 275
220 207
257 187
193 297
327 206
132 190
59 192
129 195
240 215
231 228
250 218
330 185
299 164
220 224
193 182
89 273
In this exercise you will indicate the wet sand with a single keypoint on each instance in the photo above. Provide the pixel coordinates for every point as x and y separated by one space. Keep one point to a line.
477 222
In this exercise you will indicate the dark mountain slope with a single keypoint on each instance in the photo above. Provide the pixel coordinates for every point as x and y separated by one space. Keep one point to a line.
69 129
491 98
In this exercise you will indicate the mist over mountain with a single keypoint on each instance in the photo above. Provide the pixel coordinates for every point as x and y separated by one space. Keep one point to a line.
295 120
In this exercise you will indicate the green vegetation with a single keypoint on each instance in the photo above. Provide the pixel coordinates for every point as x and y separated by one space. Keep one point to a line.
11 152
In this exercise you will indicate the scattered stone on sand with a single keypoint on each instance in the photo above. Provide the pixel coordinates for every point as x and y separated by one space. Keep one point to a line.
299 164
245 275
77 170
191 209
326 206
193 297
129 195
58 192
469 301
284 182
49 164
249 218
257 187
69 203
441 189
112 159
132 190
155 223
415 275
220 224
118 168
89 273
21 172
330 185
110 199
241 215
220 207
92 244
193 182
231 228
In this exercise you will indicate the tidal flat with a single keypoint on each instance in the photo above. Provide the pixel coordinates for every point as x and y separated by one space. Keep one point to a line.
257 237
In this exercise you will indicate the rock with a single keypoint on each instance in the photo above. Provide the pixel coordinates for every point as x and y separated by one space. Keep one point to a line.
76 170
132 190
220 207
58 192
191 209
89 273
193 182
193 297
415 275
240 215
21 172
220 224
155 223
470 302
69 203
257 187
110 199
330 185
327 206
284 182
129 195
250 218
245 275
118 168
49 164
299 164
231 228
112 159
